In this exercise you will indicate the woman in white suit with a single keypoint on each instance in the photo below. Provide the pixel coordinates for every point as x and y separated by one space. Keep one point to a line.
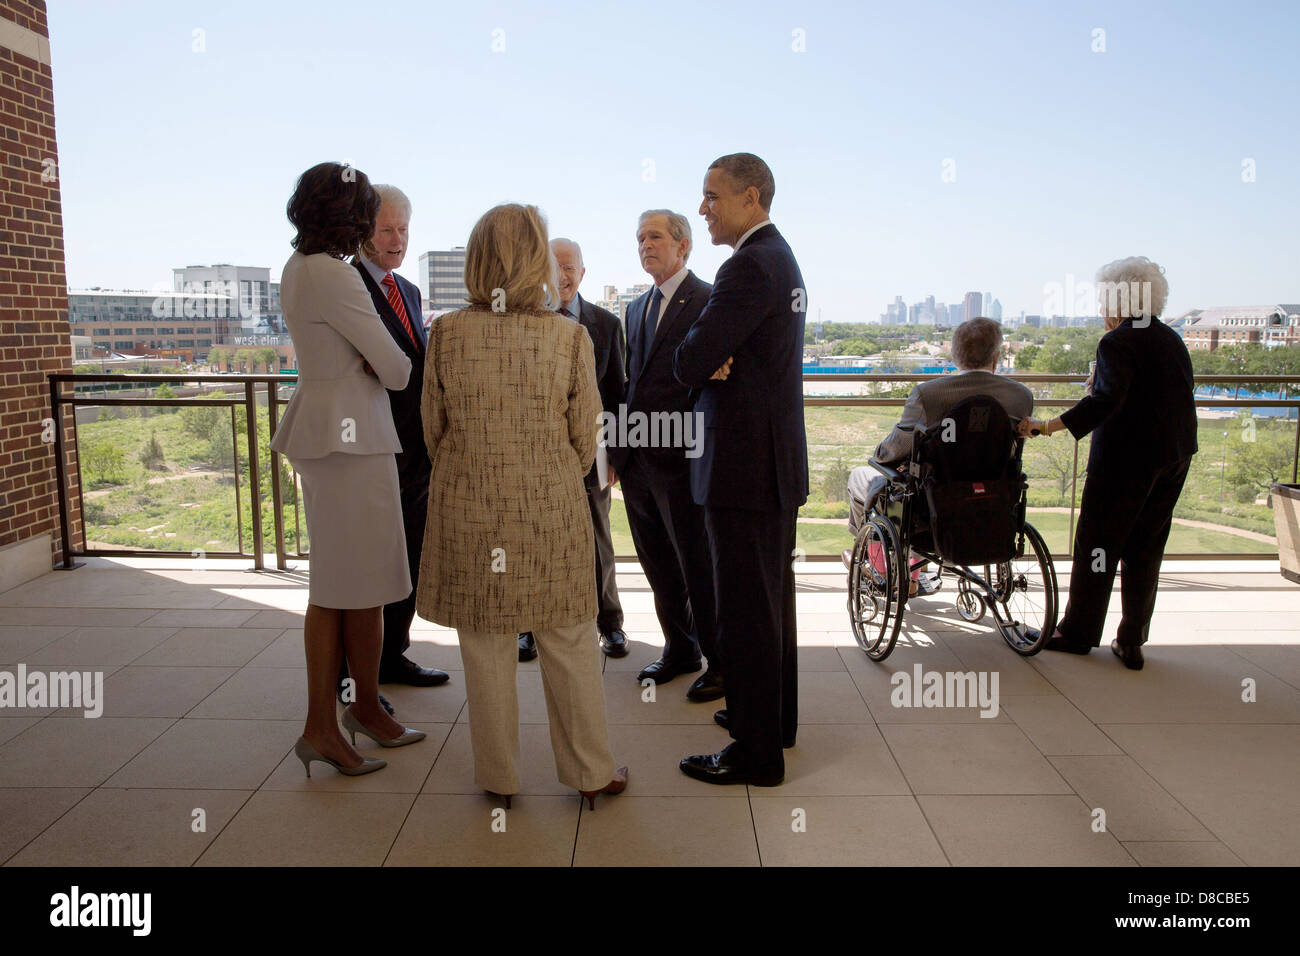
338 434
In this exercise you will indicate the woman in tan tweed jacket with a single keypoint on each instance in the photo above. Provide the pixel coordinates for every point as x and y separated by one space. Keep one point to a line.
510 421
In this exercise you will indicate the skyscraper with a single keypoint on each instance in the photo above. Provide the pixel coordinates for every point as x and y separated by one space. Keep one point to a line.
995 311
974 305
442 279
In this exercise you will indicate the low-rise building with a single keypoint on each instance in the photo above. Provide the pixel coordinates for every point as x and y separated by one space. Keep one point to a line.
1267 325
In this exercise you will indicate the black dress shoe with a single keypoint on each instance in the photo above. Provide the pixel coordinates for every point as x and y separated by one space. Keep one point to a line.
719 768
406 671
708 686
662 671
1058 642
723 720
527 647
614 644
1131 656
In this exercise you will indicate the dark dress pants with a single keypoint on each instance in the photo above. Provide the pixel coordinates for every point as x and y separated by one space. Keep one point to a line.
1124 522
673 548
753 578
610 614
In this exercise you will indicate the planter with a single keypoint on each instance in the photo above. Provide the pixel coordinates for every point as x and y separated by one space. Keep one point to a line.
1286 514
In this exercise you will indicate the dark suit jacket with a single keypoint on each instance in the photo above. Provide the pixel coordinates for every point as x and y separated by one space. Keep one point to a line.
606 333
1141 412
651 386
413 465
755 452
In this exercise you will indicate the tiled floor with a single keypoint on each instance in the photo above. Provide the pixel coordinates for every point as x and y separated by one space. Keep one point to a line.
1084 762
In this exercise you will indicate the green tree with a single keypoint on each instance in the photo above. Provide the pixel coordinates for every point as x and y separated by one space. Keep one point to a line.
1259 463
199 420
103 462
856 346
1026 358
167 392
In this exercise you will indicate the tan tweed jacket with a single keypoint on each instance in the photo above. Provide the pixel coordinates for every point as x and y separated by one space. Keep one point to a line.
510 419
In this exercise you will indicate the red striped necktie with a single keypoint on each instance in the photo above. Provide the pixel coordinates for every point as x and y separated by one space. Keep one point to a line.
395 300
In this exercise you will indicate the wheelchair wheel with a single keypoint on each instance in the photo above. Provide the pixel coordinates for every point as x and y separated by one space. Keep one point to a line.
970 605
875 610
1025 593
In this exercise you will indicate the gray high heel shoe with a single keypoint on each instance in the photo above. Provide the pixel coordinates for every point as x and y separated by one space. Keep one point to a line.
354 727
307 753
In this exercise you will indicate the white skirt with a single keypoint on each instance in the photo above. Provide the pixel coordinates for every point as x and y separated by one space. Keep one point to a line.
355 533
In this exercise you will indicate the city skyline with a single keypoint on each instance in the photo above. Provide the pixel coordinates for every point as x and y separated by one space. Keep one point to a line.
888 176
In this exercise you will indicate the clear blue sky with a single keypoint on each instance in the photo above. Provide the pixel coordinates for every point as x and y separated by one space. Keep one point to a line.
1065 158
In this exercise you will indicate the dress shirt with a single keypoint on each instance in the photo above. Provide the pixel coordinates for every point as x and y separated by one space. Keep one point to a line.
667 290
749 232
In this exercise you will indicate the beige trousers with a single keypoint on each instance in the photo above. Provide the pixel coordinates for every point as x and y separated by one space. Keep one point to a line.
575 704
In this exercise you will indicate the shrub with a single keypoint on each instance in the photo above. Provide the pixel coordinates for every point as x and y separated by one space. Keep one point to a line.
165 391
835 483
151 455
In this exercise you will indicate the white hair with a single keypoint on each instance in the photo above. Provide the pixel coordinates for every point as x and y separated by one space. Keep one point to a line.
392 196
577 249
1132 288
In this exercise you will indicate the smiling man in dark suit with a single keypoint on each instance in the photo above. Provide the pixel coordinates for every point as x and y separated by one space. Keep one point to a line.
667 525
398 303
745 354
606 333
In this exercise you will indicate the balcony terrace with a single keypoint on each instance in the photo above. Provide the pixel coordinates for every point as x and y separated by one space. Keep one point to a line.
205 693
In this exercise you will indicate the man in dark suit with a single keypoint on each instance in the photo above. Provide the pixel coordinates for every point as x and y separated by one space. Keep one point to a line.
1141 413
654 466
607 339
745 354
398 303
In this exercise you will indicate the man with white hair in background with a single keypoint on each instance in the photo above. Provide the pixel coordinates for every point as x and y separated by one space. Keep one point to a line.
398 303
607 340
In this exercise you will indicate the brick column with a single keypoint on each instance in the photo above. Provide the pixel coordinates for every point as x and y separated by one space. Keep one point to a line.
34 334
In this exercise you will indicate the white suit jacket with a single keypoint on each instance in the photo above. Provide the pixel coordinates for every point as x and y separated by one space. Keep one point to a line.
338 406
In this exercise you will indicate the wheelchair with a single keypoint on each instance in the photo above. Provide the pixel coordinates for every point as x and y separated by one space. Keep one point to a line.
958 503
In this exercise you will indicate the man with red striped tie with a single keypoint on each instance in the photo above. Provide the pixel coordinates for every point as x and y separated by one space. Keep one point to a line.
398 303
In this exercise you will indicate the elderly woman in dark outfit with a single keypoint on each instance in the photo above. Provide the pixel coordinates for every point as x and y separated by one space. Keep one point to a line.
1142 417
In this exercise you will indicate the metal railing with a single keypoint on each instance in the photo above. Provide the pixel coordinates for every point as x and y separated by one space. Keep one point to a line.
60 401
270 386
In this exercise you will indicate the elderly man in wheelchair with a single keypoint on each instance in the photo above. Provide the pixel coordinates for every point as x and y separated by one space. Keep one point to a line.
946 488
